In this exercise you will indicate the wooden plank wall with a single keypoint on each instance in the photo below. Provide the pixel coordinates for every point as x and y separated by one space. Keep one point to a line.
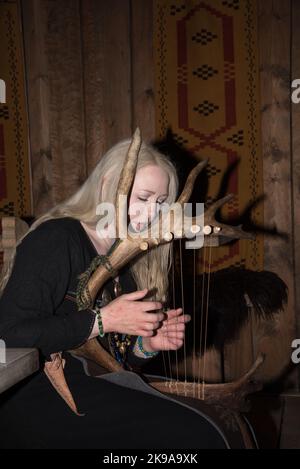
90 82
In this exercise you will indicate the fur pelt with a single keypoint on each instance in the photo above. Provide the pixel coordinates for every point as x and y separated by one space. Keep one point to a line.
234 294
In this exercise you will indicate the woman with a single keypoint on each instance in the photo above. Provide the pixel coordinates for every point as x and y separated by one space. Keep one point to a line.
35 312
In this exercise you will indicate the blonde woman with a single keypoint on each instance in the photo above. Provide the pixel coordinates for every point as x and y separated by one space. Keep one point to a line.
35 312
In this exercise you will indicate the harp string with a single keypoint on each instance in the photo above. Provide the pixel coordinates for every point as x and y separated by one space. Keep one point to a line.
198 378
201 322
206 322
169 355
148 285
194 323
183 310
174 306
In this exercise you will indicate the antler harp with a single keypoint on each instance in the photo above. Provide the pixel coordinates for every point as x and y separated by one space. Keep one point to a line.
130 246
166 228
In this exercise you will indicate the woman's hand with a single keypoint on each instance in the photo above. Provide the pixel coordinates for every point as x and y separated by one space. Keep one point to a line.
170 335
128 315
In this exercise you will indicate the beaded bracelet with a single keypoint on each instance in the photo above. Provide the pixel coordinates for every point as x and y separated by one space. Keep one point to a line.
97 310
141 349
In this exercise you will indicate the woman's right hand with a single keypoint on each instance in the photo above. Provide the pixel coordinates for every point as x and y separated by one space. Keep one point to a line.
128 315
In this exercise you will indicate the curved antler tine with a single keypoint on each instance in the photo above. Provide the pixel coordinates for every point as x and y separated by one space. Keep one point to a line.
258 362
216 229
188 188
218 204
127 174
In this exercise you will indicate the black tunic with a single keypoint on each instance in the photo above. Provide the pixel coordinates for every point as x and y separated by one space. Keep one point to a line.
34 313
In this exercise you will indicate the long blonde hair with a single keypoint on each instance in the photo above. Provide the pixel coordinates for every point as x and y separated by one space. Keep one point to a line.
150 270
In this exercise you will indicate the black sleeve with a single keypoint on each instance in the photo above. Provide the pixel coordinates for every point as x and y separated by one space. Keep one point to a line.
35 290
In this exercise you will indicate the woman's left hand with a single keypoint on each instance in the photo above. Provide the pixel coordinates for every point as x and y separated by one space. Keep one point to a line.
170 334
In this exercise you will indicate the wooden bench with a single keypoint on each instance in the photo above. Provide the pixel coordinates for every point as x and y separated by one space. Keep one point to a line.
20 363
15 364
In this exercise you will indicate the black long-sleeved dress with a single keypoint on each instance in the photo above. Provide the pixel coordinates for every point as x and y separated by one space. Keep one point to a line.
34 313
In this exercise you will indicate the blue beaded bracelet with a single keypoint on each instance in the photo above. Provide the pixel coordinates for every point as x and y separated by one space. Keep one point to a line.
142 350
97 310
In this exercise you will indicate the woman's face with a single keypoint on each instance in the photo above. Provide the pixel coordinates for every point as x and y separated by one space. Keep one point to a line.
150 188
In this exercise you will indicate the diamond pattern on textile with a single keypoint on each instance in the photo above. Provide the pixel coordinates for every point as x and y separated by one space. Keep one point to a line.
229 71
204 37
182 74
174 9
212 170
7 209
206 108
4 112
237 138
235 4
180 140
205 72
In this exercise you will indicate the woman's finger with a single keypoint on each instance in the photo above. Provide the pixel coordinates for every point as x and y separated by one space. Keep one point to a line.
172 313
174 344
135 295
173 335
150 305
178 320
173 327
145 333
151 326
152 317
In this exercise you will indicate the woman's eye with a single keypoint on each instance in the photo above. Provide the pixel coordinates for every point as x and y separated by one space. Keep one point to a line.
143 200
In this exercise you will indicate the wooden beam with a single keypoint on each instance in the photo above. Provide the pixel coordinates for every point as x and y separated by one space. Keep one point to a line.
107 74
275 66
38 97
55 99
143 105
295 162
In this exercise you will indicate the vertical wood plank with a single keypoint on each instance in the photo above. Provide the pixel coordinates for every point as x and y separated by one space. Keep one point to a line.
54 79
295 169
239 355
34 30
107 74
67 129
274 40
290 431
143 106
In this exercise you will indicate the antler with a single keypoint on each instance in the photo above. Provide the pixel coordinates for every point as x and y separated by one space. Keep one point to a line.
165 228
126 180
223 233
232 395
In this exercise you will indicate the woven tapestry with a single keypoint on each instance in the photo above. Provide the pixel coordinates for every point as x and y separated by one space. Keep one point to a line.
207 93
15 194
14 159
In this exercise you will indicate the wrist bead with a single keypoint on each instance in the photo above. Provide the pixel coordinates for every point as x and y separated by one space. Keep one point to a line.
141 349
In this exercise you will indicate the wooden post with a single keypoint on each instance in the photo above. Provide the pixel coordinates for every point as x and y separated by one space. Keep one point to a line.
143 108
107 74
275 66
295 162
53 63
